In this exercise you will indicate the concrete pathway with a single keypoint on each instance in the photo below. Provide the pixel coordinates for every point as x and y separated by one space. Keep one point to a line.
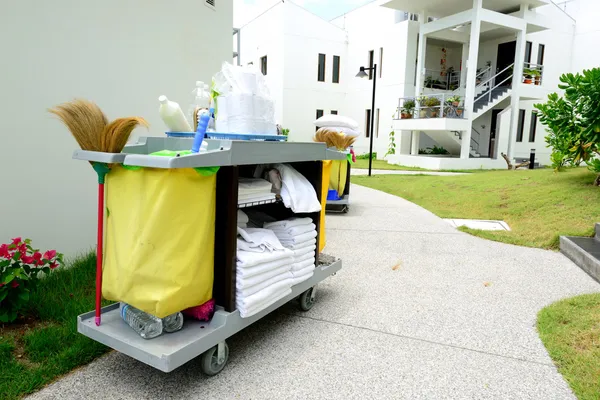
419 311
356 171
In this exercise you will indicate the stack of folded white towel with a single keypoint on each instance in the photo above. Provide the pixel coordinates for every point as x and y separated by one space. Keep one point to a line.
250 190
300 236
242 219
263 270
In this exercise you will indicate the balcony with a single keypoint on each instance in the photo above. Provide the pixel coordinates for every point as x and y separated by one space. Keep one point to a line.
434 112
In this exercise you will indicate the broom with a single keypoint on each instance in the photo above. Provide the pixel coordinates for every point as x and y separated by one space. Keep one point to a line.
333 138
90 128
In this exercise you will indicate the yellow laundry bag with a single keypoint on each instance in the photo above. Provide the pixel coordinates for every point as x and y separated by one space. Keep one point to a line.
338 175
324 190
160 234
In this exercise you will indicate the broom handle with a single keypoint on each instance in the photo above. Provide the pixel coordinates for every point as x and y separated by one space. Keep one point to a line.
99 252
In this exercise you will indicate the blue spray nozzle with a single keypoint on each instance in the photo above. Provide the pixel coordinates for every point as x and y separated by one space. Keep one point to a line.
201 131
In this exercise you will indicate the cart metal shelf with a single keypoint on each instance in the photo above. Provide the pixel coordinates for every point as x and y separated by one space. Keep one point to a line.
235 159
169 351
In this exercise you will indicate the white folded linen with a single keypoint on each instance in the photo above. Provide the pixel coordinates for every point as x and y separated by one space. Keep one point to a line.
298 239
246 272
264 294
294 231
302 278
252 185
304 257
288 223
247 259
304 250
302 264
257 237
242 282
249 291
303 271
308 243
242 225
297 192
242 218
255 197
246 312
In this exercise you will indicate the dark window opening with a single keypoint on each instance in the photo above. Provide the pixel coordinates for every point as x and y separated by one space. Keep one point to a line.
380 66
371 55
336 69
528 52
263 65
520 125
319 115
540 58
377 123
334 112
368 123
532 127
321 76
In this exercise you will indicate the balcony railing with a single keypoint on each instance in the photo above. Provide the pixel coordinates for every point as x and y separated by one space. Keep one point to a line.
533 73
443 80
439 105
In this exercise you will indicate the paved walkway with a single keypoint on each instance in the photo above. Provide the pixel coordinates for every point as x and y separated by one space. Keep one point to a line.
356 171
455 320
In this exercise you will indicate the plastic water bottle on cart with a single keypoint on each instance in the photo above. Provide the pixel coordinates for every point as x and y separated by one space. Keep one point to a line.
146 325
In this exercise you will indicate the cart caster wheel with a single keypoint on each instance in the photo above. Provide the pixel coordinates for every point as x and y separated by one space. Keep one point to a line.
210 363
307 300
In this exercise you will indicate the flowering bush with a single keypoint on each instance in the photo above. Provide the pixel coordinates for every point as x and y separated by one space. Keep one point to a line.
20 267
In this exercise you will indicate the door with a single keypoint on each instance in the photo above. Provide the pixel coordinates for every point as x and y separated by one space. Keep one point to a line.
492 145
506 56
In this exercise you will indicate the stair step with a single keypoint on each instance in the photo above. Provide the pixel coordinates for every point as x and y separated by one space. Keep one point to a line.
584 252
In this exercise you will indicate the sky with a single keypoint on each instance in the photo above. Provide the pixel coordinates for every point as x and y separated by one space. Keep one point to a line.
246 10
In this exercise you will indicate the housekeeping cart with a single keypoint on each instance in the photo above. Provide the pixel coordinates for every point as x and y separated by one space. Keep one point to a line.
341 203
234 159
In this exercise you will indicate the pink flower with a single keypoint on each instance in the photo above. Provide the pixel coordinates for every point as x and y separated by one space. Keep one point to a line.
28 260
53 265
4 251
14 284
16 241
50 254
22 248
37 256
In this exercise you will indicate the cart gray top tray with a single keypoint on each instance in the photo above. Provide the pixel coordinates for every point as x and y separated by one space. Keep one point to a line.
219 153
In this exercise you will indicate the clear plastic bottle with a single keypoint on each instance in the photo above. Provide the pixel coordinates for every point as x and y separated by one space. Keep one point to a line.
173 322
146 325
200 99
172 116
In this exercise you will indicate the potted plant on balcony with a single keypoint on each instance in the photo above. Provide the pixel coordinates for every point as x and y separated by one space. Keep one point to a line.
537 76
422 106
432 103
454 101
407 109
527 76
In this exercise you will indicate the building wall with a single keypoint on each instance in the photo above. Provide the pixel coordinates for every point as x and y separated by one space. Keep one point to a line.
305 37
257 40
122 55
587 33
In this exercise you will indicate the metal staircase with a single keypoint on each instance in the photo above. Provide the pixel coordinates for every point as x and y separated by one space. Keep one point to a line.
491 92
475 138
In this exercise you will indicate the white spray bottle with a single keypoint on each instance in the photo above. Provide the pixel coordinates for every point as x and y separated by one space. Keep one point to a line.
172 116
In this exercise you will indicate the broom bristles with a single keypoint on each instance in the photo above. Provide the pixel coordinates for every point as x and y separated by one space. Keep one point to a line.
116 134
333 138
85 120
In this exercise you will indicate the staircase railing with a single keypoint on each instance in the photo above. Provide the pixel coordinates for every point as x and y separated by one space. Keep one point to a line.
483 74
492 81
475 142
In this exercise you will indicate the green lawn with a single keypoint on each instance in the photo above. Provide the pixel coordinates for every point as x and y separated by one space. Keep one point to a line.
570 330
381 164
33 356
538 205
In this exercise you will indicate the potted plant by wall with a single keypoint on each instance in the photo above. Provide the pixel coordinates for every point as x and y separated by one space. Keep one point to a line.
432 103
407 109
527 76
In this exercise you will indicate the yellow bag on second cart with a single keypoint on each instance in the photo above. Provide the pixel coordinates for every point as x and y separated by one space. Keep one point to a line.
338 175
160 234
324 190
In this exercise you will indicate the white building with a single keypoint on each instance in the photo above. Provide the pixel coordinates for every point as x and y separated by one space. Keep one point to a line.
122 54
479 43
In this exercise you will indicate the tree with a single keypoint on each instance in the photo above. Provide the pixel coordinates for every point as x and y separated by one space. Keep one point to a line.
573 121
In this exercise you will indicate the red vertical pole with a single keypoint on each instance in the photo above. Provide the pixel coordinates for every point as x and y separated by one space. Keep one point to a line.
99 252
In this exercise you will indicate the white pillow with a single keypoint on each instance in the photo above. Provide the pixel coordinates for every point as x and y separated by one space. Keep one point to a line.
345 131
333 120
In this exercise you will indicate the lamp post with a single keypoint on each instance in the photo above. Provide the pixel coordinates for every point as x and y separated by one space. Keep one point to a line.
363 74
